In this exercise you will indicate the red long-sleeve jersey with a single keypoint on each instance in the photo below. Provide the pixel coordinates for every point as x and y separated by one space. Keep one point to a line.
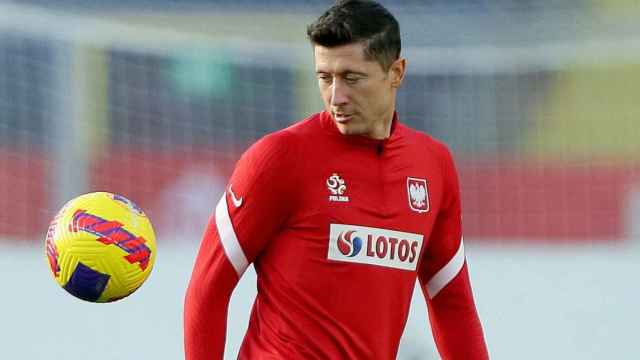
338 229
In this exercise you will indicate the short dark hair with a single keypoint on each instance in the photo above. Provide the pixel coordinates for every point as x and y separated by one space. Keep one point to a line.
353 21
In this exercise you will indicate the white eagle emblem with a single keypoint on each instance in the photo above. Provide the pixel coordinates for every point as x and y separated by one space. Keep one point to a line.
418 194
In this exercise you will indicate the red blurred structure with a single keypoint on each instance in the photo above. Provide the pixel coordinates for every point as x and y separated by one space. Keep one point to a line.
503 200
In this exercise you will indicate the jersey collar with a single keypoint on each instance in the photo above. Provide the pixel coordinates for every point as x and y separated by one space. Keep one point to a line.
327 123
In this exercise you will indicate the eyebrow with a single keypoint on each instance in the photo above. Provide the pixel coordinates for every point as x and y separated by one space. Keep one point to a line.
343 73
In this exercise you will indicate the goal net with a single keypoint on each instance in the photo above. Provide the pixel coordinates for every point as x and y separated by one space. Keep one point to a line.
541 113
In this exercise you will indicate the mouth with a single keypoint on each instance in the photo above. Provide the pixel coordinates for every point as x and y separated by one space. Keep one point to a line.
342 118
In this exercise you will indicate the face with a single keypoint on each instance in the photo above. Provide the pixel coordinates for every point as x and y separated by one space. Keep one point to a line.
359 93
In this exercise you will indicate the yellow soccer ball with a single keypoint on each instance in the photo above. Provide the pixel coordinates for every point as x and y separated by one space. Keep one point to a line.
101 247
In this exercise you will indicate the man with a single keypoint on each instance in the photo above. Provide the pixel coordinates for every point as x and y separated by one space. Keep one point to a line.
339 213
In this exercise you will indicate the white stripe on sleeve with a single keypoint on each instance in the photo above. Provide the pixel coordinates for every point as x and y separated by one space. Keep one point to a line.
447 273
228 237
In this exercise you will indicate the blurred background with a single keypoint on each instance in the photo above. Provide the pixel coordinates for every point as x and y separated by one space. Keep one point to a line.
155 100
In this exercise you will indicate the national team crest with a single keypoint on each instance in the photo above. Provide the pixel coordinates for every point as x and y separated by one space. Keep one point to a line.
418 194
337 188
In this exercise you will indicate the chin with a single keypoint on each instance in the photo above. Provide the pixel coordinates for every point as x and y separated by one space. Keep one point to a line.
347 130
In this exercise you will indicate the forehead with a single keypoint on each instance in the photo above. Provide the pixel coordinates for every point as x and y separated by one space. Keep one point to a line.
342 58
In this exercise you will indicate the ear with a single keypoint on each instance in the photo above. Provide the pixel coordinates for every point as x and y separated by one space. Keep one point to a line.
397 71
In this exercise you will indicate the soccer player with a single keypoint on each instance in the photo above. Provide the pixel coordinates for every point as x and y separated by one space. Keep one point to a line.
340 214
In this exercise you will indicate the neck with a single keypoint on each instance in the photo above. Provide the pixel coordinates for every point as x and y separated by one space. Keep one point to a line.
382 130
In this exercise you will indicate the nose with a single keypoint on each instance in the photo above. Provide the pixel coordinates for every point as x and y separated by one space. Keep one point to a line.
338 94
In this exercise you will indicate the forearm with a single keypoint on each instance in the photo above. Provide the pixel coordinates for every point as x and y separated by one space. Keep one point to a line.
204 336
207 301
455 323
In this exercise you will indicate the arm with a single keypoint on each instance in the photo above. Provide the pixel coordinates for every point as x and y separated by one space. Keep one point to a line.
207 299
245 218
444 280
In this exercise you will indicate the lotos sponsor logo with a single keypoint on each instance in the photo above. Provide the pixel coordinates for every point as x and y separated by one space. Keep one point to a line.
112 232
348 246
374 246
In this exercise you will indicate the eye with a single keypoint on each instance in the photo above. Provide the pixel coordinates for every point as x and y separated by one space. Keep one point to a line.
325 78
352 79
